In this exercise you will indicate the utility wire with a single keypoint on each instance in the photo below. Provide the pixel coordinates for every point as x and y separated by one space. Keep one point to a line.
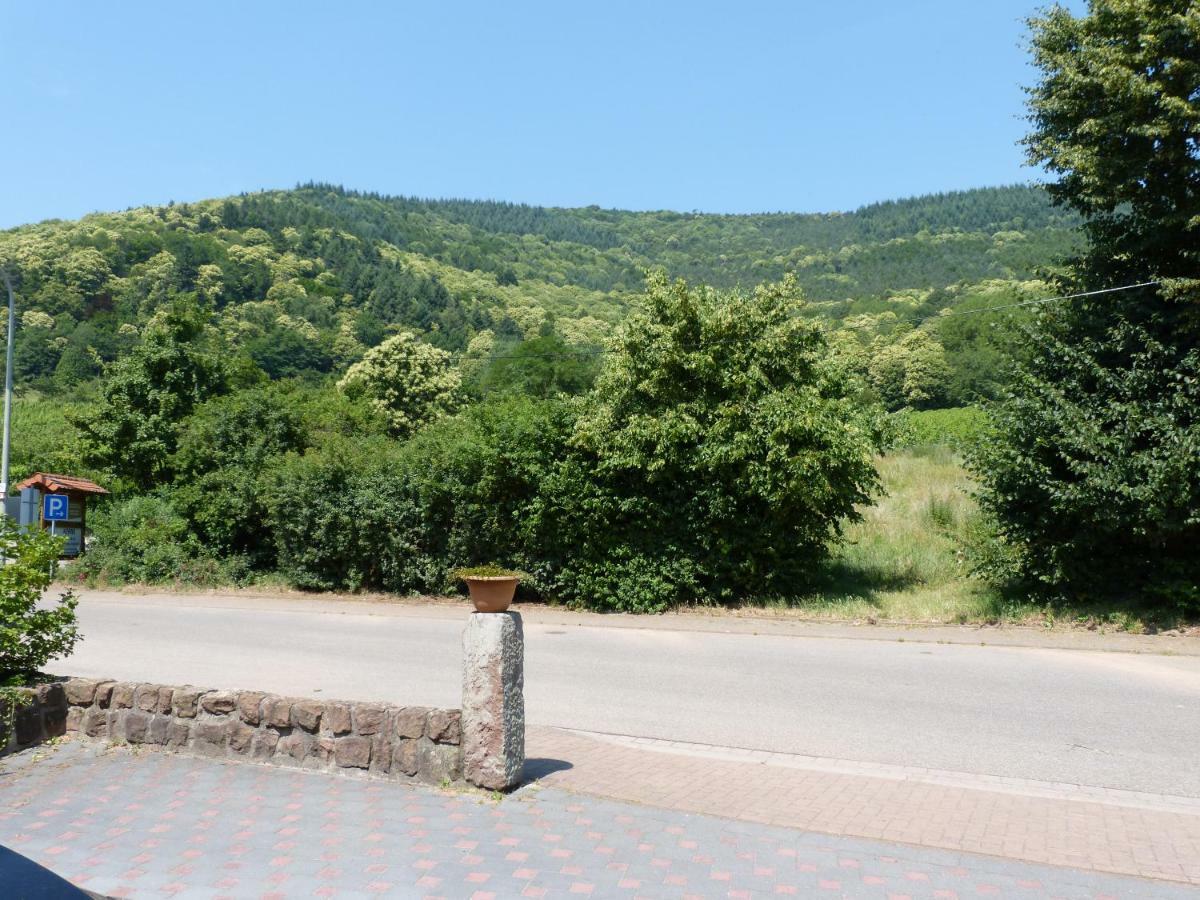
916 323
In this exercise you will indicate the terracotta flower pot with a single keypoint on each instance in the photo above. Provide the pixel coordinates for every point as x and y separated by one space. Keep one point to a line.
491 593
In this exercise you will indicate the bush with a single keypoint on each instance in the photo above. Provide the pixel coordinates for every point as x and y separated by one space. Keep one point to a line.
959 428
31 634
717 458
375 514
146 540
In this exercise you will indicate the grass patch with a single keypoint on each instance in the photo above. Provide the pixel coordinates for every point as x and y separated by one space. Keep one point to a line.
906 560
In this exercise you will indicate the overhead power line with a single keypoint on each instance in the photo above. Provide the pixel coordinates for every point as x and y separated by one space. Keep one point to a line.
600 351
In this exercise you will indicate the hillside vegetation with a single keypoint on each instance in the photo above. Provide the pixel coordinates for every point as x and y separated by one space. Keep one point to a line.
303 282
354 391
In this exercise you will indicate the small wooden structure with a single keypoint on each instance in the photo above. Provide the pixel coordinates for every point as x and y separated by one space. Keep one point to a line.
77 490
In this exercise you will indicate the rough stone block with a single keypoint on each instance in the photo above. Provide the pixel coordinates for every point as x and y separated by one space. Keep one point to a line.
297 745
178 734
263 744
80 691
404 757
381 754
278 711
322 748
75 718
240 736
493 708
160 729
219 703
28 724
211 732
136 727
165 695
352 752
445 726
249 704
369 719
410 721
145 697
184 702
51 695
54 721
307 714
437 763
94 722
122 695
337 718
104 693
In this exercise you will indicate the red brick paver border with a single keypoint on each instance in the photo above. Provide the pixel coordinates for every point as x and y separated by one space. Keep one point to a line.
1120 832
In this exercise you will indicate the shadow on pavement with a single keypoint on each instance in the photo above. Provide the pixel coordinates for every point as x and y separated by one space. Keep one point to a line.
538 768
27 880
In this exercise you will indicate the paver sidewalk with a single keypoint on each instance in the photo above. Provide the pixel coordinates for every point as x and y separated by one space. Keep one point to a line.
1103 830
154 824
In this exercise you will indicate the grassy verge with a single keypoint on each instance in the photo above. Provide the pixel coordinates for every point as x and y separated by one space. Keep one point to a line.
906 561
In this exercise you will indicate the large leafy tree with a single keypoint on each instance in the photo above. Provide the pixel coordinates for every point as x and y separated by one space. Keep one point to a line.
716 458
410 382
147 394
1093 474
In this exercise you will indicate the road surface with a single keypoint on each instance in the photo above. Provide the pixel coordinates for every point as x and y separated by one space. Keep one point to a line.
1109 719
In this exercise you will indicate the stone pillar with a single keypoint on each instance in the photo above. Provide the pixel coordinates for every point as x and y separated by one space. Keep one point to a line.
493 702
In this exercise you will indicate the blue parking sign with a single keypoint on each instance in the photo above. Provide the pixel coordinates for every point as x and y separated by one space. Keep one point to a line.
55 508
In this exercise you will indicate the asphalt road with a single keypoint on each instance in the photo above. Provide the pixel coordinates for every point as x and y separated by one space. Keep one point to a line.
1111 719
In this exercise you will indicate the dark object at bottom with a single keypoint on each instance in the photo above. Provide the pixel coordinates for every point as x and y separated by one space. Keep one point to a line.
23 879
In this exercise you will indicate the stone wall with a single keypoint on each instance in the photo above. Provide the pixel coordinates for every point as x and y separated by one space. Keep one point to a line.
409 742
41 715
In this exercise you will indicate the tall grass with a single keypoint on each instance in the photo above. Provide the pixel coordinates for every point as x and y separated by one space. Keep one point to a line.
906 560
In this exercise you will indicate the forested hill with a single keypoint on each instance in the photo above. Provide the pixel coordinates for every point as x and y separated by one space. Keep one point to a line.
304 280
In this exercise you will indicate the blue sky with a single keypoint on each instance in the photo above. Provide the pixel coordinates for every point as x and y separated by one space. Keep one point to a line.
726 107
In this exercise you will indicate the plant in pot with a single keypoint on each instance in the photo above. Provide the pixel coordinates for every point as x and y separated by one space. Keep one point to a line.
491 587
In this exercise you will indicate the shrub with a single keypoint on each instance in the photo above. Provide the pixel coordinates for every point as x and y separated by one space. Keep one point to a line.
146 540
31 633
375 514
958 428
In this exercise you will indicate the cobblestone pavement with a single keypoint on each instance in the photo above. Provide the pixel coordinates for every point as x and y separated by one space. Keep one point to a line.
154 824
1106 830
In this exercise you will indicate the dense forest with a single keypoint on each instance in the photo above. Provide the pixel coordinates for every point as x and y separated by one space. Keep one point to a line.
303 282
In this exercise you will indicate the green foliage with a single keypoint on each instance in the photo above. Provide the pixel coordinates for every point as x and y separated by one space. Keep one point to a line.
409 382
911 371
958 428
717 457
490 570
134 429
1092 477
369 513
1116 117
223 451
544 367
145 540
31 633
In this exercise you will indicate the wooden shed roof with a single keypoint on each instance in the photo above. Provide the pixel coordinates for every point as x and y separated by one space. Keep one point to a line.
60 484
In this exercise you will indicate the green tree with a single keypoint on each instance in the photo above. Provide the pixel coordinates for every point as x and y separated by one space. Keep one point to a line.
1092 476
407 380
147 394
717 457
911 371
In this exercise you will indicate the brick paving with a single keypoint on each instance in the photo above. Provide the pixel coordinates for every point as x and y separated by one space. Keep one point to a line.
155 824
1101 830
